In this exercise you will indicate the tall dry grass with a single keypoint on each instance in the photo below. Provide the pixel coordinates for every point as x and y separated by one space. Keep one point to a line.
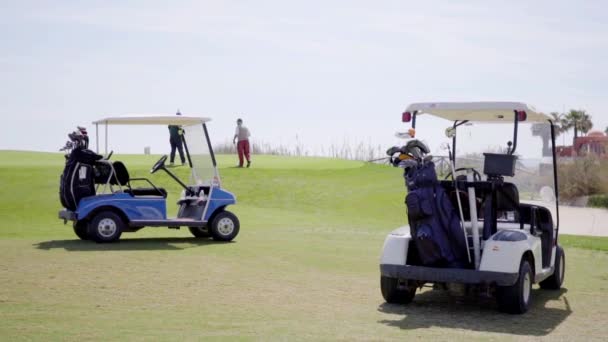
584 176
351 150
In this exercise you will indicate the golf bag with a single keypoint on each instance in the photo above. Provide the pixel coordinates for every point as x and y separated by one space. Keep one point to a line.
78 177
434 222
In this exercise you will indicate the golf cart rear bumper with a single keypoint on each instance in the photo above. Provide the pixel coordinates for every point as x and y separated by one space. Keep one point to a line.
447 275
67 215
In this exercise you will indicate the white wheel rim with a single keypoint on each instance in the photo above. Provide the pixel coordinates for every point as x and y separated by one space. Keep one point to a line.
225 226
106 227
527 284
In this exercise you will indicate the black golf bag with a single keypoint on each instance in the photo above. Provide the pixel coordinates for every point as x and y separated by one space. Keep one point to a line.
78 177
434 222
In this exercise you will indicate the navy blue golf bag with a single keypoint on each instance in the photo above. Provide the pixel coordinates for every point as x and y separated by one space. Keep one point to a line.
78 177
434 222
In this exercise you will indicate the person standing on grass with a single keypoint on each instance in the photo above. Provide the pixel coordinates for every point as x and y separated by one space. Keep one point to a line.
175 139
242 135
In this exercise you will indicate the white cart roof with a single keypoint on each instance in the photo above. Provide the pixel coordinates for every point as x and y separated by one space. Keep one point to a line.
495 112
151 119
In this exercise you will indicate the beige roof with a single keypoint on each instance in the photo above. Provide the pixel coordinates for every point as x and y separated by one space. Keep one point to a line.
147 119
478 111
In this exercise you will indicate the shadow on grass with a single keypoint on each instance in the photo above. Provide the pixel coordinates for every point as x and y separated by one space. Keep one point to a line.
141 244
438 309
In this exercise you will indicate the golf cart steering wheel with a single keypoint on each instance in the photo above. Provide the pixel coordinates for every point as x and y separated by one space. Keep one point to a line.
159 164
476 174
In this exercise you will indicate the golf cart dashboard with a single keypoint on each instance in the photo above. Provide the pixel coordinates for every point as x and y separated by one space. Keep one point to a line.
196 191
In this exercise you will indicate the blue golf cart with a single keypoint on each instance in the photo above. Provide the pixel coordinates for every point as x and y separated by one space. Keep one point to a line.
102 201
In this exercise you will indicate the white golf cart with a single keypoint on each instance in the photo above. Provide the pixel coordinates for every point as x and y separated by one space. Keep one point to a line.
511 237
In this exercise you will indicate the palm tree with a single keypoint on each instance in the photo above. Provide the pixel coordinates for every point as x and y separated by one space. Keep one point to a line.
542 130
586 124
579 120
559 123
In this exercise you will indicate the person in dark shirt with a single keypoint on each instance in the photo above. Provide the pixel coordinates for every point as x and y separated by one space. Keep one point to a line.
175 138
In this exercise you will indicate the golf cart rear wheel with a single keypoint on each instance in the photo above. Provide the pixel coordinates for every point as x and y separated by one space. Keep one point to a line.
106 226
80 229
515 299
555 281
224 226
396 291
199 232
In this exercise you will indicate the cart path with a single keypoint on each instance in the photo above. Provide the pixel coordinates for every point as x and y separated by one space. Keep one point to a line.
580 221
583 221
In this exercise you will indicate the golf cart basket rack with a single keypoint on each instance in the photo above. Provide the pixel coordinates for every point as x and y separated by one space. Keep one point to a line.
498 164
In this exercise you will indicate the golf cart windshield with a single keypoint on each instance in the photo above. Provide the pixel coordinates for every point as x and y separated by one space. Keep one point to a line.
204 171
534 164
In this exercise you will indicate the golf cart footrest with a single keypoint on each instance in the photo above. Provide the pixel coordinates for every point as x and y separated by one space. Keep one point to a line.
448 275
172 223
67 215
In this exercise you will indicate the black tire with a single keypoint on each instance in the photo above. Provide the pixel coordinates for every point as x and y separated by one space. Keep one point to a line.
80 229
106 226
515 299
555 281
199 232
224 226
396 293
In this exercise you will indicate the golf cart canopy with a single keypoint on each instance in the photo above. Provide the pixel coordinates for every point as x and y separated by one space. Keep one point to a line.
134 119
195 138
490 112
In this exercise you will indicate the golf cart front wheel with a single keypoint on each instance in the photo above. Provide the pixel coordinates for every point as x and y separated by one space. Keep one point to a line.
396 291
555 281
515 299
199 232
106 226
224 226
80 229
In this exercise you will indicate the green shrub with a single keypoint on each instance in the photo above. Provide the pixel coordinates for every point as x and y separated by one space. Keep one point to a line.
581 177
598 201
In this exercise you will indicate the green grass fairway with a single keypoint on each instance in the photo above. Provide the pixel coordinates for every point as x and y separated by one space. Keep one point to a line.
304 266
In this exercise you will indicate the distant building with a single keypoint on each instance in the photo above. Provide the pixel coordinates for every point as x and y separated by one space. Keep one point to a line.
594 143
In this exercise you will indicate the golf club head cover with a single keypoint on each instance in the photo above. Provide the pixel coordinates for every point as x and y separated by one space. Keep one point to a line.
393 150
412 144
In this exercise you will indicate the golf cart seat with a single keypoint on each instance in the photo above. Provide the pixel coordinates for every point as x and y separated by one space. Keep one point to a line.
507 197
121 177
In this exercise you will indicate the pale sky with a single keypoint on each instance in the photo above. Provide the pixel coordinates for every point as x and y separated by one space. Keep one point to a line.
325 71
